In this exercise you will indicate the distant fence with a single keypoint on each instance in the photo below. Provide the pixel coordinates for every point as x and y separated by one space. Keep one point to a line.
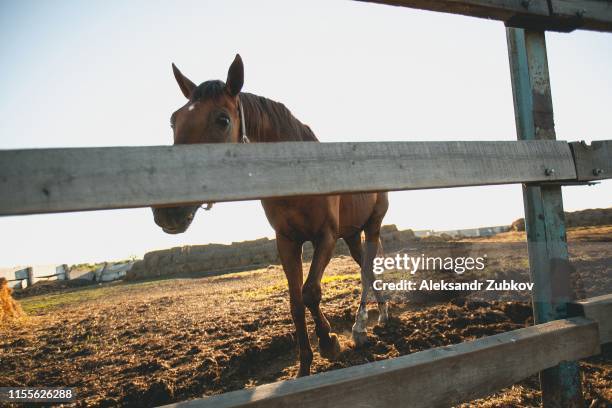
24 277
111 272
27 276
466 232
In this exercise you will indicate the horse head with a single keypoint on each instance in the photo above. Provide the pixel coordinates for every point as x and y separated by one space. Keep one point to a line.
210 115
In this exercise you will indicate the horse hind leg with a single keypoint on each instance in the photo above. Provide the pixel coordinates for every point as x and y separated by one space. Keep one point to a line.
359 330
372 233
329 346
367 280
372 246
383 308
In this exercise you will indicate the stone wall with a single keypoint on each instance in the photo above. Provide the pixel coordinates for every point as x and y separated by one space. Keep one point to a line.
213 259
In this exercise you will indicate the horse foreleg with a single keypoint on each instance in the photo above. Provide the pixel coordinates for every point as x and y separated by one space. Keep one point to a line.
290 254
355 247
329 346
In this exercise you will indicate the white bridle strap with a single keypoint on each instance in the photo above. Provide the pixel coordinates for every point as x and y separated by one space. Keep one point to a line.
243 136
243 139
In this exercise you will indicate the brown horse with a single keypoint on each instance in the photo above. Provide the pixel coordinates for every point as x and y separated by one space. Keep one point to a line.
218 112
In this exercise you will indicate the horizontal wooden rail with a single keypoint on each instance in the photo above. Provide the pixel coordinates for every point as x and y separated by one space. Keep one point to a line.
555 15
594 161
55 180
439 377
598 309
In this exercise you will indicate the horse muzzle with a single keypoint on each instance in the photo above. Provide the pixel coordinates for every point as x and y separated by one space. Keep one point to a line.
174 220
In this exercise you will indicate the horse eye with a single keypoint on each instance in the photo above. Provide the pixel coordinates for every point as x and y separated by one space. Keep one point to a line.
223 120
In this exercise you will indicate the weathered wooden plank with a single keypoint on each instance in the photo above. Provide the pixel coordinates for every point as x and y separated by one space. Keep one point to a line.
53 180
23 273
593 162
469 370
501 10
598 309
588 14
26 274
544 218
561 15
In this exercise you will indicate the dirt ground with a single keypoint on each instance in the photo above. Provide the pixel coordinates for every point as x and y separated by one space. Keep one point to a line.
155 342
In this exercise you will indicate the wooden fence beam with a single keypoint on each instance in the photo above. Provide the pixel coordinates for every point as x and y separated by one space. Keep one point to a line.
55 180
598 309
442 376
593 162
26 274
502 10
553 15
544 219
30 276
587 14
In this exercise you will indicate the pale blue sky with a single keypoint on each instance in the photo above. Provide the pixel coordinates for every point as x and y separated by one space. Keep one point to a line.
95 73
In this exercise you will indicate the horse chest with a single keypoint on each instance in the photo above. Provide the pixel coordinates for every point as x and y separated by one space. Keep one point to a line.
303 218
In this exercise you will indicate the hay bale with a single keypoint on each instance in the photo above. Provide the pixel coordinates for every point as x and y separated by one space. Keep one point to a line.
9 308
584 218
518 225
388 229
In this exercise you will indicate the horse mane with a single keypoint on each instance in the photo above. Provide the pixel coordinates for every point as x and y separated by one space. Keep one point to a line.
270 121
266 120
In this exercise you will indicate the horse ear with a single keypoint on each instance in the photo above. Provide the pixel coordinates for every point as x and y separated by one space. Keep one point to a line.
183 82
235 76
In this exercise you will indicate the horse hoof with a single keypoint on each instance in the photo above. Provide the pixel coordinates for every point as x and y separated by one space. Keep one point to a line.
332 350
303 373
360 338
383 314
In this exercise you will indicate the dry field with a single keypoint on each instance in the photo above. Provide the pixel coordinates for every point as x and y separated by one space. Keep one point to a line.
154 342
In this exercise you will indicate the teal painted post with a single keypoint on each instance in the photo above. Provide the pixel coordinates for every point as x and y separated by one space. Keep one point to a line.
544 219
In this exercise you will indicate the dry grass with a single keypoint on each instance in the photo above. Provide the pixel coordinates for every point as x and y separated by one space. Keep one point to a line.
10 309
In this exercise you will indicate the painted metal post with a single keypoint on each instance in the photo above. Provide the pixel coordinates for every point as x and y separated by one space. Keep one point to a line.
544 219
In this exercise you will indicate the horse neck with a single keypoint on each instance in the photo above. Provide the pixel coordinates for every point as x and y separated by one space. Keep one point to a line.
270 121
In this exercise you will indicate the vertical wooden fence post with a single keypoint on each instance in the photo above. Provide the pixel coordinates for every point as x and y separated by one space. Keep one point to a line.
544 218
30 276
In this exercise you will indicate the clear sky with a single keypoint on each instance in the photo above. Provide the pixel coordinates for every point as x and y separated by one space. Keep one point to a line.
98 73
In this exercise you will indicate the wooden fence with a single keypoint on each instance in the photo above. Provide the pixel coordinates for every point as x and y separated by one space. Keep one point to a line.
25 277
28 276
439 377
55 180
